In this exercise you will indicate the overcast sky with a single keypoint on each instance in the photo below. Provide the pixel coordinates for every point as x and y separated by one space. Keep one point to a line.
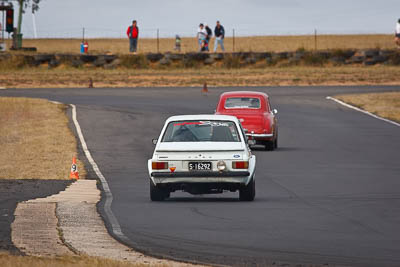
102 18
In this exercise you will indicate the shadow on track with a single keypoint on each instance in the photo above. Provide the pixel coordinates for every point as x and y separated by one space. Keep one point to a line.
210 199
279 149
198 199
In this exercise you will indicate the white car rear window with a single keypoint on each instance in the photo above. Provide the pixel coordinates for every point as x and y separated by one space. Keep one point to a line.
201 131
242 102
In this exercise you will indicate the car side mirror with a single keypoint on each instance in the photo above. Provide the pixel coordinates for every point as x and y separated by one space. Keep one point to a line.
251 142
275 111
154 141
245 130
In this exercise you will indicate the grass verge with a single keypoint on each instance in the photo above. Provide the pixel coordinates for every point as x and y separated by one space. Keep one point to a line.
7 260
276 43
35 140
250 76
386 105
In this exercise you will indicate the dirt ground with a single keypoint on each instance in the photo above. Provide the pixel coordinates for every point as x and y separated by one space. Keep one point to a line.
274 76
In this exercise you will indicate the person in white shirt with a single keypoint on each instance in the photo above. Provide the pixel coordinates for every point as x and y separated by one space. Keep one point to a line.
397 34
201 35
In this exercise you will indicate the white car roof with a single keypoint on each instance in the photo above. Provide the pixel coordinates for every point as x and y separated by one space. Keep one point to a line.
202 117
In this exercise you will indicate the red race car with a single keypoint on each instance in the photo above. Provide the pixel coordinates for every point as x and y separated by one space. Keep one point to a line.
254 112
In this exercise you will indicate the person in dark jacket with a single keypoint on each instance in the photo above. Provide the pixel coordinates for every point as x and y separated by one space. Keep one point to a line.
133 35
208 37
219 32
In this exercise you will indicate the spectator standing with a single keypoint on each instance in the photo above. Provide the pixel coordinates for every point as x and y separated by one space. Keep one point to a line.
219 32
204 46
133 35
178 43
201 36
208 37
397 34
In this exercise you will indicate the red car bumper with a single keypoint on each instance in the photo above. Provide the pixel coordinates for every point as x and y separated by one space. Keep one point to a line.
260 137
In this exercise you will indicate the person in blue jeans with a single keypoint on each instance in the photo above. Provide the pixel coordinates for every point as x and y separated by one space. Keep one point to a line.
133 34
219 32
201 36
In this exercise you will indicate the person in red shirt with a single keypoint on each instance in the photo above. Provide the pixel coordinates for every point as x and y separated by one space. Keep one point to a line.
133 35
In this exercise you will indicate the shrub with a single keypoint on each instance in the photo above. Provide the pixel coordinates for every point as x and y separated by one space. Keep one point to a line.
231 61
134 61
188 62
343 53
13 62
395 59
314 59
301 50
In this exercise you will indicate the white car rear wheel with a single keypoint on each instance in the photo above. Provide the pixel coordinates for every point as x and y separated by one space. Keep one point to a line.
157 193
248 192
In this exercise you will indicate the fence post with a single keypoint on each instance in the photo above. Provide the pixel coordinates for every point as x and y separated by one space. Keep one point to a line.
315 39
158 41
233 39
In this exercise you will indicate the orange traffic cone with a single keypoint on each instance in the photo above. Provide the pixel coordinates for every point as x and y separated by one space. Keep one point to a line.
74 170
91 83
205 89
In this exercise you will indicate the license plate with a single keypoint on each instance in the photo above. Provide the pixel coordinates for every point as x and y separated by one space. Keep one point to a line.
199 166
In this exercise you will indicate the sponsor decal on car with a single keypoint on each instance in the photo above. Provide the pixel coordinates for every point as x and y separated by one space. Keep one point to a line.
187 123
211 123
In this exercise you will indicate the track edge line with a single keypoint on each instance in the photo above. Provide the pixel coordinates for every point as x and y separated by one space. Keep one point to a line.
362 111
115 227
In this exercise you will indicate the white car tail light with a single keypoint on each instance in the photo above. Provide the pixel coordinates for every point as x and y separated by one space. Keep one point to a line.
159 165
240 165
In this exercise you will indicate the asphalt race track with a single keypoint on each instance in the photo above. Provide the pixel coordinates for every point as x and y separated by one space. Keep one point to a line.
329 194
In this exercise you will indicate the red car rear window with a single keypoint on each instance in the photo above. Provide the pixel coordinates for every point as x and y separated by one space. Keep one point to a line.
242 102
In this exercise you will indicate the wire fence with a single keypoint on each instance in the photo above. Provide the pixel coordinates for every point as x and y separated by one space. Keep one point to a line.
146 32
236 40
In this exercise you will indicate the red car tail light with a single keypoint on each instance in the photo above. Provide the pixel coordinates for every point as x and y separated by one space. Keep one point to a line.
159 165
240 165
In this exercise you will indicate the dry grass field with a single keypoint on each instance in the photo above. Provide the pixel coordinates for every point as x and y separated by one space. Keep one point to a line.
252 76
255 44
7 260
256 75
386 105
35 140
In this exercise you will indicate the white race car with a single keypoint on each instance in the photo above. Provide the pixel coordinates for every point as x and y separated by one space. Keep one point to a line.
202 154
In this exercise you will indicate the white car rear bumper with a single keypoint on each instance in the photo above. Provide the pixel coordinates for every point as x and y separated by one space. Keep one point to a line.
241 177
